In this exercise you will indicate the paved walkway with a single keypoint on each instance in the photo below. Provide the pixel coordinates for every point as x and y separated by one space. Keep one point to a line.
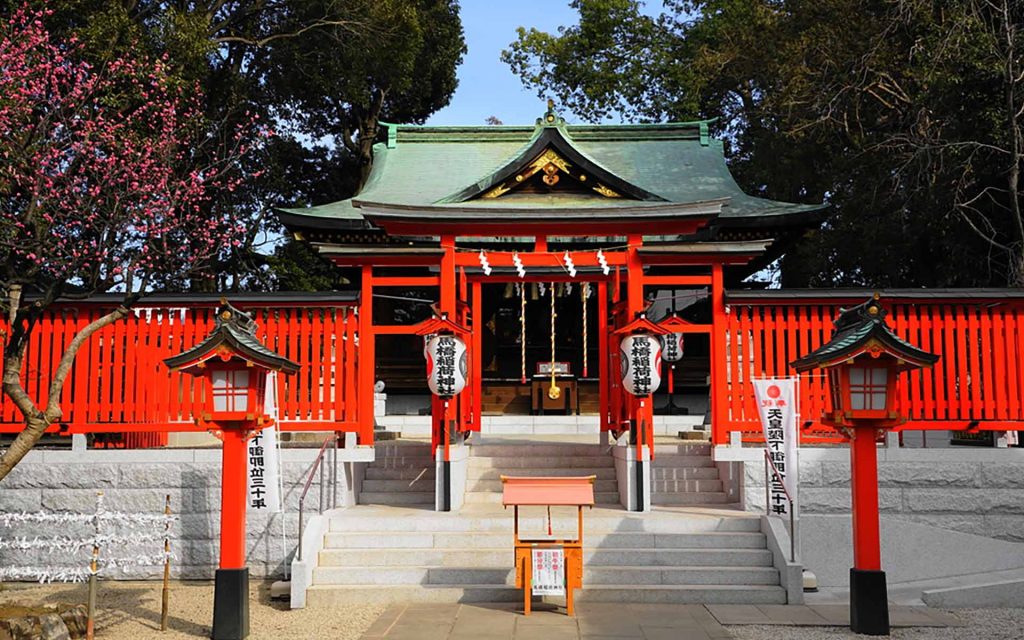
424 621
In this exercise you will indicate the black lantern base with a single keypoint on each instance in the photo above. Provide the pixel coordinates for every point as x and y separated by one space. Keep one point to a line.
869 603
231 604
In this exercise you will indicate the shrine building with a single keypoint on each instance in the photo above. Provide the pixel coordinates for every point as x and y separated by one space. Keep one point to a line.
543 242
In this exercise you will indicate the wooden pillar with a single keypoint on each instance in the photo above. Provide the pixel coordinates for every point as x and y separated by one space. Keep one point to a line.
232 499
603 383
476 356
367 357
719 400
867 552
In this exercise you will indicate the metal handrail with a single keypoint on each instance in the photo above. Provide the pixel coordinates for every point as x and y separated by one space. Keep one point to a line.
318 465
768 501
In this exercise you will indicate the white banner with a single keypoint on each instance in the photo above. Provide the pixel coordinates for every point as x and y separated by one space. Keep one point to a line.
264 468
548 572
777 406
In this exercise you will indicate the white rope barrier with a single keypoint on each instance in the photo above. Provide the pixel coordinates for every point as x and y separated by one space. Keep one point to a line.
128 538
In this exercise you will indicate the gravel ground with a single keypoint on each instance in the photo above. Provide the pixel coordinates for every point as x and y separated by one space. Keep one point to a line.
980 624
131 611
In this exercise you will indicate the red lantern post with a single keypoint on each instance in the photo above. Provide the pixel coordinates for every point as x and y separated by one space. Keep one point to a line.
863 359
640 360
447 370
233 365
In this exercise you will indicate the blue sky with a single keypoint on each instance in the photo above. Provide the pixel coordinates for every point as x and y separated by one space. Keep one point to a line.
486 85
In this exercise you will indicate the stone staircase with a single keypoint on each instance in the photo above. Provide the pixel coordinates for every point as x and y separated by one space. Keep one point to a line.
393 548
683 474
488 462
388 554
402 473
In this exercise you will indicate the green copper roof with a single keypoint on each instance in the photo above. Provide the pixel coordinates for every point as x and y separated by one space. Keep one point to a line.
438 168
856 328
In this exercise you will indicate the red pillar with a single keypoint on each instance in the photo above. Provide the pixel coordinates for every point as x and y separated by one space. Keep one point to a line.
867 553
719 407
367 357
476 356
232 499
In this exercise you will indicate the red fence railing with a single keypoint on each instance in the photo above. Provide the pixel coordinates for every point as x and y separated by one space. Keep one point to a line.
119 383
978 382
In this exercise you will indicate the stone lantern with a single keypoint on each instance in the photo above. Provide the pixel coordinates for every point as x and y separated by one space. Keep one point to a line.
863 360
233 365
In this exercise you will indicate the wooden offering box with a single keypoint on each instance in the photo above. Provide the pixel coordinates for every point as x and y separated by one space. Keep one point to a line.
548 492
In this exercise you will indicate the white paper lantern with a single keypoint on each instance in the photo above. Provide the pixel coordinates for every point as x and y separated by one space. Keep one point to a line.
640 360
672 347
446 365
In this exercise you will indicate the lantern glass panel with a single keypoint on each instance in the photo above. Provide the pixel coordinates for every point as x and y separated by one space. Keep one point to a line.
230 390
868 388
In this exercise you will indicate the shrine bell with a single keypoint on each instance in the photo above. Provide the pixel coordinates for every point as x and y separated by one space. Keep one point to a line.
232 365
863 360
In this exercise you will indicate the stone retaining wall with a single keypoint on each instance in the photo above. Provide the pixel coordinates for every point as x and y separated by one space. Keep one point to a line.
971 490
138 481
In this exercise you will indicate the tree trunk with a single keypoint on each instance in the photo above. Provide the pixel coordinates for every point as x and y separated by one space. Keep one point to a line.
36 420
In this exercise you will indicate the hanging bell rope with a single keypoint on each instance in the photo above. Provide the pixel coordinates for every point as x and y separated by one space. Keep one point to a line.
553 391
584 294
522 333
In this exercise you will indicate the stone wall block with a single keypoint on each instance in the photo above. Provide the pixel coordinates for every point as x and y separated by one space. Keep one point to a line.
1005 527
835 473
920 474
198 526
128 500
168 475
1002 474
20 500
57 476
824 500
1005 501
936 501
811 473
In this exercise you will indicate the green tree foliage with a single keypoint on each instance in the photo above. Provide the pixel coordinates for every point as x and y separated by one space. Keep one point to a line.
907 116
322 72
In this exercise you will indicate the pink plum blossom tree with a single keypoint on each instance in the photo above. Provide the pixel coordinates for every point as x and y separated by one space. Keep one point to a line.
100 190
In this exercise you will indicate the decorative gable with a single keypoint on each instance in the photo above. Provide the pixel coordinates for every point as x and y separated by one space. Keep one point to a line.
552 164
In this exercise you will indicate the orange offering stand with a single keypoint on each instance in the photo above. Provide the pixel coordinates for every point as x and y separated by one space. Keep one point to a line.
548 492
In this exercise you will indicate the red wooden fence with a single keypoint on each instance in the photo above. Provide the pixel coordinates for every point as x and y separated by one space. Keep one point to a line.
978 382
119 383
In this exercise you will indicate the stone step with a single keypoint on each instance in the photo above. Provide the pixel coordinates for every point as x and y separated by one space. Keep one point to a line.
495 540
534 520
600 485
502 556
602 473
553 449
400 462
398 485
541 462
683 473
494 497
675 486
685 448
690 499
397 497
405 473
505 576
680 460
326 595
